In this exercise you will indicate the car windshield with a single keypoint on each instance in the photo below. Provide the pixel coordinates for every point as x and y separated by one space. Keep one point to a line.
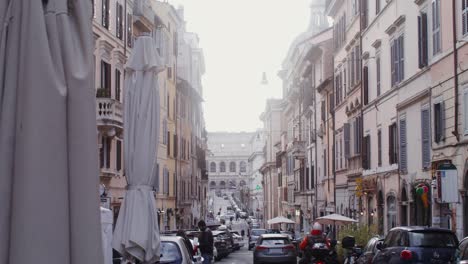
432 239
274 241
258 232
170 253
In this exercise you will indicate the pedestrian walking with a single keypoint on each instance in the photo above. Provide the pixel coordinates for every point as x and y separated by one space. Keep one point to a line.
205 239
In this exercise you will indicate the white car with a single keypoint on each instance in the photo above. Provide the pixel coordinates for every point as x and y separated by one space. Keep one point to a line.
174 251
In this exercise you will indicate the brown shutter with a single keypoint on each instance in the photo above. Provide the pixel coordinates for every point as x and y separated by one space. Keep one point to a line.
366 85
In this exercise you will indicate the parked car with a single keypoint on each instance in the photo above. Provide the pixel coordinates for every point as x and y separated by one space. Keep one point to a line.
174 251
369 251
254 234
463 251
417 244
222 244
274 248
238 240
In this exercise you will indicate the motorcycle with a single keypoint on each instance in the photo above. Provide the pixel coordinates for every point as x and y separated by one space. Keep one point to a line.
352 255
321 253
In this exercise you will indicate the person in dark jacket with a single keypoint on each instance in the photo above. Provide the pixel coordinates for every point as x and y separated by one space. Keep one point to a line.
187 242
205 240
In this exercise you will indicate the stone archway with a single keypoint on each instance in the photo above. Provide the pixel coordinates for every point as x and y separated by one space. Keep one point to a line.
222 185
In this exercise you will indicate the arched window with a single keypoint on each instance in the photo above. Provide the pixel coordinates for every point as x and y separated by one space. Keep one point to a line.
391 212
212 167
222 167
243 166
222 185
212 184
232 166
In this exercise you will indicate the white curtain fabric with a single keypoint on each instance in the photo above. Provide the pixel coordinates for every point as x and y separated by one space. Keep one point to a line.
49 202
137 231
106 232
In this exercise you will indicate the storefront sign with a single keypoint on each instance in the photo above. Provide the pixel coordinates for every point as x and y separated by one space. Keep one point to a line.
447 179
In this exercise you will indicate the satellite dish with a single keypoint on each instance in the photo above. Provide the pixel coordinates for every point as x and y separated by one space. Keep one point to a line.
264 78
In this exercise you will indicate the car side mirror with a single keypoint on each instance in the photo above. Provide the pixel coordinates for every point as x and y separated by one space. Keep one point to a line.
380 246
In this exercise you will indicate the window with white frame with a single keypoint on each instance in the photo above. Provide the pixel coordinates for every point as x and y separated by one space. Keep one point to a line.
397 54
436 42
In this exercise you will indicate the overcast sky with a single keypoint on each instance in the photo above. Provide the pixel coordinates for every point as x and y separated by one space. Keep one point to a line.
241 39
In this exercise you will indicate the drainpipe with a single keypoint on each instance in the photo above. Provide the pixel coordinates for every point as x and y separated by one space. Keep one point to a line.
315 163
455 68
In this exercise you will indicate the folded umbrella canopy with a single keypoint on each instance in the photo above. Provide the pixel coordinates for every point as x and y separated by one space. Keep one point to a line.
335 219
49 202
137 232
280 220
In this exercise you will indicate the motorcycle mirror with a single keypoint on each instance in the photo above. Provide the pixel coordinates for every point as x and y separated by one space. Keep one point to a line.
333 242
379 246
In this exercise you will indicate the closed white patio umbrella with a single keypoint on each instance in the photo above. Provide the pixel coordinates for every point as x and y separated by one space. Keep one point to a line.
280 220
49 202
137 232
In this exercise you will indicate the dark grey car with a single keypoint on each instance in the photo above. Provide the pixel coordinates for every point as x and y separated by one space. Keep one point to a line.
369 251
417 244
274 248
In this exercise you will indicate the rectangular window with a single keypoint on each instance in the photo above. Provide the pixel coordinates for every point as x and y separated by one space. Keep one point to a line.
366 154
439 122
117 85
365 12
464 16
377 71
166 181
357 135
105 13
105 79
379 147
108 147
465 103
129 30
392 144
398 60
403 162
347 139
156 178
357 54
168 143
422 40
426 137
352 73
175 146
118 155
377 6
119 21
366 84
436 46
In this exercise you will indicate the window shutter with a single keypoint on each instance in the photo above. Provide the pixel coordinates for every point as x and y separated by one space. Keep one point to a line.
368 150
366 85
403 150
365 153
156 178
118 155
379 147
465 16
347 139
364 13
393 62
332 103
425 56
426 138
323 109
437 122
401 53
420 53
442 121
465 102
391 145
377 69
